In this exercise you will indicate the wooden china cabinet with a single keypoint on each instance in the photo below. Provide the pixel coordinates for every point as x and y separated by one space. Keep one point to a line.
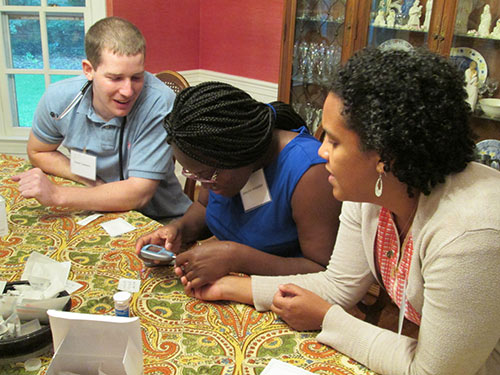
319 35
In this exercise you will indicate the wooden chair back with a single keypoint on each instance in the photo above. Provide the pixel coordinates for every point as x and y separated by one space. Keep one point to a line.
178 83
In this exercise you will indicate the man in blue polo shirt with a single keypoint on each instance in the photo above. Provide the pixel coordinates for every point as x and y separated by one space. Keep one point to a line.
114 132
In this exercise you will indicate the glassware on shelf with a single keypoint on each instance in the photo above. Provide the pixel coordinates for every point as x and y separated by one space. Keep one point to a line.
315 62
310 114
488 88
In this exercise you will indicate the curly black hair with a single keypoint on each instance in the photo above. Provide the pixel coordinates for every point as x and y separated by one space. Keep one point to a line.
222 126
410 107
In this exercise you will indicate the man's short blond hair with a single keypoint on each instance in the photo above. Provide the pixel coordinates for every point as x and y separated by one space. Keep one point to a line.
115 34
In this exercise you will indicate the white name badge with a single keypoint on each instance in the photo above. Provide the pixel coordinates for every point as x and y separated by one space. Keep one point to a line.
83 165
255 193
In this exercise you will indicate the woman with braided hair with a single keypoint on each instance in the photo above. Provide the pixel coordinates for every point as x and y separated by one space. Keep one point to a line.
265 196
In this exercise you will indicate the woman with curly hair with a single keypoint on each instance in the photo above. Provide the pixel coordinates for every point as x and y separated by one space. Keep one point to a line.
419 217
236 147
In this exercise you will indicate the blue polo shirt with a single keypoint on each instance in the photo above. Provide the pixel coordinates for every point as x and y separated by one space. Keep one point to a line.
146 153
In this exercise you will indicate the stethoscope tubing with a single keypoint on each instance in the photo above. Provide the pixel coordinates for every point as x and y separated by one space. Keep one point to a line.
74 102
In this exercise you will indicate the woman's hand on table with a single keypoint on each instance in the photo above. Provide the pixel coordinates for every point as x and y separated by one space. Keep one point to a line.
208 292
302 309
168 236
228 288
205 262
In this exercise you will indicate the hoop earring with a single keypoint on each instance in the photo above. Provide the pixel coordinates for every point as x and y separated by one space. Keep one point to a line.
379 186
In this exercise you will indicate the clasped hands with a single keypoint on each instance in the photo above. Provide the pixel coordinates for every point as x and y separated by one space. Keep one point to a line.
300 308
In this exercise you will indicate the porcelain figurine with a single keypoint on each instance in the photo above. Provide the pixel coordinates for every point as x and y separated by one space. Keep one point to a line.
485 24
391 18
415 13
380 19
496 30
471 84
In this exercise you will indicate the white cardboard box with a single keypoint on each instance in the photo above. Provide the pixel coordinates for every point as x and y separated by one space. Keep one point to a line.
88 344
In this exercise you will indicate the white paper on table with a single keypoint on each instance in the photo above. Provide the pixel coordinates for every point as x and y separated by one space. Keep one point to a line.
30 313
129 285
89 219
8 305
84 343
40 267
3 284
276 367
72 286
37 309
117 226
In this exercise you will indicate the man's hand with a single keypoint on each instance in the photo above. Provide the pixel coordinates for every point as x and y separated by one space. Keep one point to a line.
35 184
300 308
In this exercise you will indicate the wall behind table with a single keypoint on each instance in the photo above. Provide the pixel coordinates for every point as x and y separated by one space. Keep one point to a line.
226 36
171 29
241 37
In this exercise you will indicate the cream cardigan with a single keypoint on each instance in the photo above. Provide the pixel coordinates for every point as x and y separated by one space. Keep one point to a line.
454 282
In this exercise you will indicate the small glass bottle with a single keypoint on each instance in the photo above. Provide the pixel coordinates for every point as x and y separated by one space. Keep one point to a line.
122 303
4 229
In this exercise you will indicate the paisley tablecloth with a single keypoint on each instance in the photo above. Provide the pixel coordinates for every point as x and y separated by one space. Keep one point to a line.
181 335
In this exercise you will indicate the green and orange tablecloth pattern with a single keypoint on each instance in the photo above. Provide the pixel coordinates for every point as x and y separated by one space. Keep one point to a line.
181 335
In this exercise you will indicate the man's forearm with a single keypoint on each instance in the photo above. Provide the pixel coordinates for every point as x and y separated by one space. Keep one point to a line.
113 196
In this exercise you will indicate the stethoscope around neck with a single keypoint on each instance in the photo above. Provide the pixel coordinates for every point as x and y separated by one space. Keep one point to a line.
72 105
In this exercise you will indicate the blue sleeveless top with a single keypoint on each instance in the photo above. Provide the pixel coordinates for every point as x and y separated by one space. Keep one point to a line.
269 227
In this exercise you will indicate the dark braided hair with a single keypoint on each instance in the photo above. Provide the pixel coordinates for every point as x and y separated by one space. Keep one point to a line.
408 106
222 126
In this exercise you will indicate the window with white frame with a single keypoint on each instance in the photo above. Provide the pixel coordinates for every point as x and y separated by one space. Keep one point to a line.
41 42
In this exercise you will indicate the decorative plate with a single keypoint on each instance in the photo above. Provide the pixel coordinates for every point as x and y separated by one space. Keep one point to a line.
463 56
399 44
491 148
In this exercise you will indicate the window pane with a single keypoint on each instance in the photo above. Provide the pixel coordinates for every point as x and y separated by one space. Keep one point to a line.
23 2
66 3
29 89
60 77
65 35
26 46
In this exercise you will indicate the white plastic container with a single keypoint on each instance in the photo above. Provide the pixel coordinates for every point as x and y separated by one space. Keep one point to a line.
122 303
4 229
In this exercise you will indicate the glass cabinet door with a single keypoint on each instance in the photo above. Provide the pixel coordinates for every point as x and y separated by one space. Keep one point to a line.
476 51
317 49
320 34
399 24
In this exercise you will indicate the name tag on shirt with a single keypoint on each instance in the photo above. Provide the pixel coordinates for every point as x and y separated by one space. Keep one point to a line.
255 193
83 165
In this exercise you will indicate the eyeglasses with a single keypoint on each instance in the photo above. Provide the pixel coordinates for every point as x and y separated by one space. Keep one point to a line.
188 174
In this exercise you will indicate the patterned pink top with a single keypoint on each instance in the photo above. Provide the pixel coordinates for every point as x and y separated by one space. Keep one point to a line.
394 265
